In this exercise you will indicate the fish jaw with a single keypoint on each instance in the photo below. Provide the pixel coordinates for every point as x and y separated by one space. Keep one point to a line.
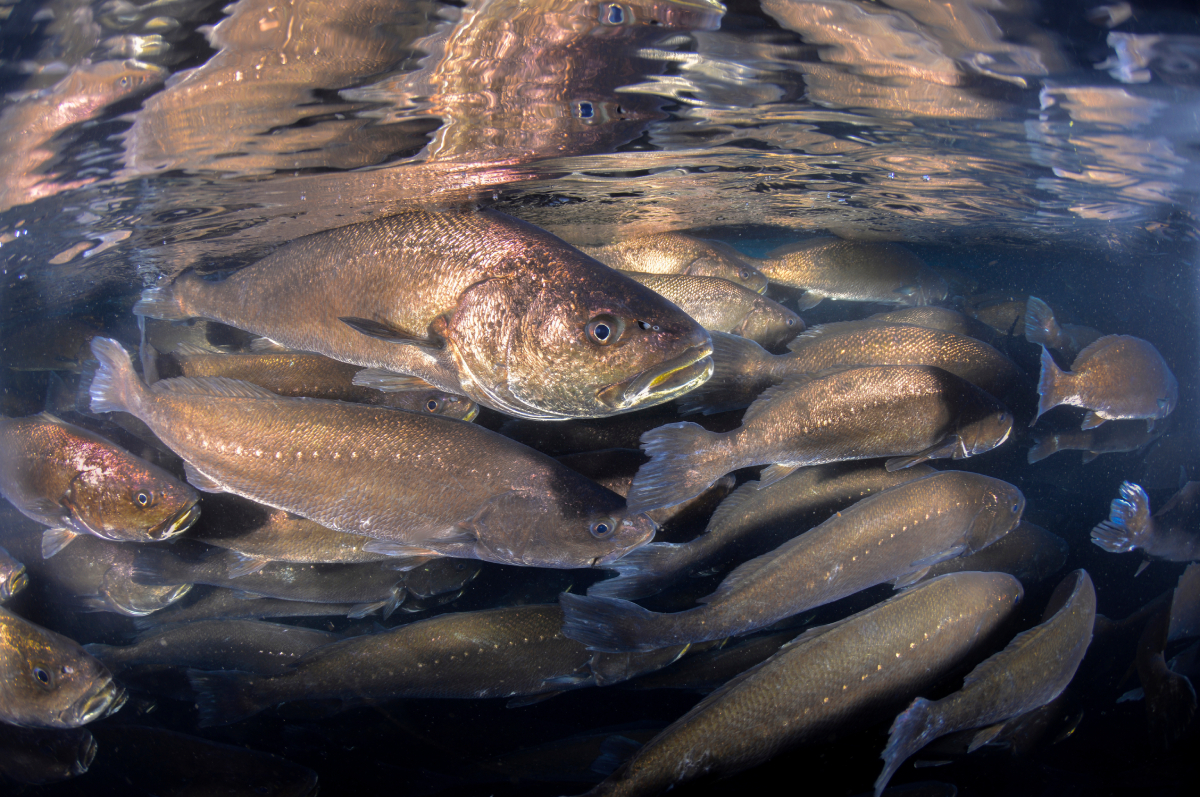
662 383
16 582
102 701
178 524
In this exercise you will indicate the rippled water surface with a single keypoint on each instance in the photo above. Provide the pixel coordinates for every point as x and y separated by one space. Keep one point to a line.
1048 149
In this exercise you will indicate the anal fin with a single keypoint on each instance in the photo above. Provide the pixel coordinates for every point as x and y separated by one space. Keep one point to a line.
985 736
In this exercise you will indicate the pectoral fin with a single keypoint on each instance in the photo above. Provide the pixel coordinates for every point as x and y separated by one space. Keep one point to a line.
381 331
246 565
908 579
1091 420
54 540
200 481
809 300
985 736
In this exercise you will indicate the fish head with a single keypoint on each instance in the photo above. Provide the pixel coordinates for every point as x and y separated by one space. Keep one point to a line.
51 681
770 324
1000 508
132 599
717 259
984 433
127 498
433 402
586 347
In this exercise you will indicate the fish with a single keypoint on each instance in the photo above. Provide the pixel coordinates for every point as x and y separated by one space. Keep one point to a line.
77 483
506 652
895 535
373 585
1028 552
440 576
300 374
495 499
1001 310
753 520
1032 670
830 268
476 303
1117 376
1171 533
679 253
1116 437
933 317
37 756
229 604
13 577
49 681
829 680
1043 329
711 669
909 413
723 306
742 369
225 644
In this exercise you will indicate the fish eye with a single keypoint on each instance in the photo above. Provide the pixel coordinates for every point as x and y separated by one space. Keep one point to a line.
602 528
43 675
744 274
1016 507
605 329
124 82
791 322
144 498
613 14
433 405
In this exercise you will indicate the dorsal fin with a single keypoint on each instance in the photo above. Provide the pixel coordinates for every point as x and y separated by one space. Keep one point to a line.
191 349
732 505
267 346
215 386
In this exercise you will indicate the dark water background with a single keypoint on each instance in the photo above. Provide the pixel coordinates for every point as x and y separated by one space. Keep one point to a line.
1035 149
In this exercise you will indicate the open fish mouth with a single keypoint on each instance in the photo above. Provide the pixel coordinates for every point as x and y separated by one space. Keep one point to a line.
664 382
104 701
15 583
177 524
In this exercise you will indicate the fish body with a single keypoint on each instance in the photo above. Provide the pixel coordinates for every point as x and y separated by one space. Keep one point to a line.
678 253
742 369
1172 533
830 268
910 413
895 535
932 317
226 644
1029 553
723 306
281 537
829 680
1042 328
13 578
475 303
421 485
49 681
304 374
229 604
1117 376
37 756
1033 670
1117 437
77 482
493 653
753 520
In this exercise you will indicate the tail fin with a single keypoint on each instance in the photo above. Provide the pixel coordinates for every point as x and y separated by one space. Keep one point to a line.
1049 385
1129 524
116 386
912 730
610 624
1040 326
163 303
1043 447
643 571
225 697
678 468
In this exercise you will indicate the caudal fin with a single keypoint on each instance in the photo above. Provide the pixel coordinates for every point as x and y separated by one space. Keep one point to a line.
610 624
643 571
163 303
225 697
680 467
912 730
1043 447
1050 385
116 386
1129 524
1040 326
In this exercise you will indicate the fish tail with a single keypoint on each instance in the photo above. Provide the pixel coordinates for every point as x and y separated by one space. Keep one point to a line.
1129 523
913 728
1043 447
680 467
165 302
611 624
116 387
1040 326
643 572
1050 384
225 697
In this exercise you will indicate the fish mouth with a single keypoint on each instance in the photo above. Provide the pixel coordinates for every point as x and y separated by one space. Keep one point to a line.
17 582
472 415
86 756
177 524
612 556
104 701
663 382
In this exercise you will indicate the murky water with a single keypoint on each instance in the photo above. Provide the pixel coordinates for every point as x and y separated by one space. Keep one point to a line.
1031 149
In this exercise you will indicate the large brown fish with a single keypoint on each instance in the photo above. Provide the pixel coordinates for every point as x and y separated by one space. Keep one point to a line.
1033 670
678 253
723 306
419 484
77 482
830 268
830 680
895 535
475 303
753 520
742 369
49 681
910 413
942 318
1117 376
495 653
1172 533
